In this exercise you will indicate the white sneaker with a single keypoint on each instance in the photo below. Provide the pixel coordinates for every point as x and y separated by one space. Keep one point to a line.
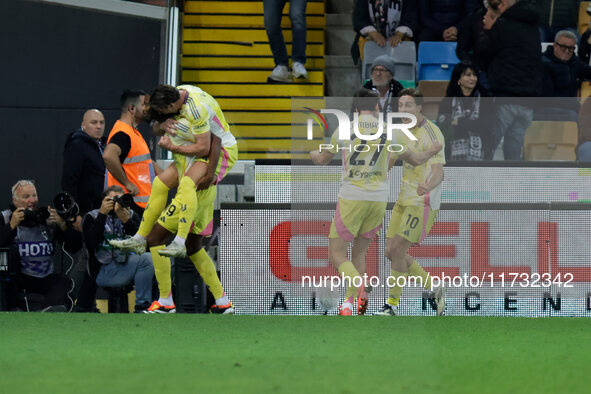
299 71
387 310
279 74
174 250
129 245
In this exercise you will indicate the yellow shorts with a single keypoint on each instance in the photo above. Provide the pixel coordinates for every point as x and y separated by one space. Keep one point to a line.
412 223
203 221
354 219
183 163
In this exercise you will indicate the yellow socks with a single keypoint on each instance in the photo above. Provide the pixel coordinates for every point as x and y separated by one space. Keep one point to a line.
162 271
206 269
416 270
348 270
395 291
156 204
188 204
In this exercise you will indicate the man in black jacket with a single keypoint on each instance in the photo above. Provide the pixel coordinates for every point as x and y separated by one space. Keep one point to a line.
563 72
83 174
514 68
83 177
32 234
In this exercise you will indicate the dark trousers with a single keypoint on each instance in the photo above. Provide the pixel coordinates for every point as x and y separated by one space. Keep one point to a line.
54 288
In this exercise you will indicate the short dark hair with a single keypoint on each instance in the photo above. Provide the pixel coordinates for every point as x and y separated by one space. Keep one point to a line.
412 92
163 96
365 100
130 96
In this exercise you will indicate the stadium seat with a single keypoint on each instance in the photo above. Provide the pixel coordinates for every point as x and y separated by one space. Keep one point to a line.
551 141
436 60
404 56
433 88
545 46
584 18
585 89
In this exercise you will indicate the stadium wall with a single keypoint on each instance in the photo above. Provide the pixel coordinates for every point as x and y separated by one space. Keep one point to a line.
57 62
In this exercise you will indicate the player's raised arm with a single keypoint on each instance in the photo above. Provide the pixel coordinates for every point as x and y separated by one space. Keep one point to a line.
418 158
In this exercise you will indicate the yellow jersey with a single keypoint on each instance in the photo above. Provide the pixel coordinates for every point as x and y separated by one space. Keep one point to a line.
427 133
365 163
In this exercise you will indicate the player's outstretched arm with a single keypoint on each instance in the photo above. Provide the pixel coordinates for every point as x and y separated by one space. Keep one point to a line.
321 157
418 158
200 148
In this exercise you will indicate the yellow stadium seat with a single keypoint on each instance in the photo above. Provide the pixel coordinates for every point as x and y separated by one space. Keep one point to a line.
545 140
584 18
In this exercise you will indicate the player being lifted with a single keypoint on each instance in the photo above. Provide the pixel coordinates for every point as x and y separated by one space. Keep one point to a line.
199 108
417 205
193 114
363 195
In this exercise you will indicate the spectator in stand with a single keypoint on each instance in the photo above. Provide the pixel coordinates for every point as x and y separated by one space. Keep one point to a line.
439 19
563 72
514 69
585 46
297 14
382 80
463 114
557 15
384 22
471 35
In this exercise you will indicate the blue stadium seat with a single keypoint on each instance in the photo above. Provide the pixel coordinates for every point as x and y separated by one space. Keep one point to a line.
404 56
436 60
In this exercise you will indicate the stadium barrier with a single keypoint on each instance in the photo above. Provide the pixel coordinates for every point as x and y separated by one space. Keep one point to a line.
511 259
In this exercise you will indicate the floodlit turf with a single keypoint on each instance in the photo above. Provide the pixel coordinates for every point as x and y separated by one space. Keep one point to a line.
88 353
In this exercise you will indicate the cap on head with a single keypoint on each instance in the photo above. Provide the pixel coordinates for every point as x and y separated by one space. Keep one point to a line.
384 61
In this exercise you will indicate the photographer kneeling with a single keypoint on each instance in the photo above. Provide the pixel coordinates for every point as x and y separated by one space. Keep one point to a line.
31 233
111 267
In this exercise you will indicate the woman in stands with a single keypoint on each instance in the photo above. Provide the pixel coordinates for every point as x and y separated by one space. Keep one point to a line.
462 114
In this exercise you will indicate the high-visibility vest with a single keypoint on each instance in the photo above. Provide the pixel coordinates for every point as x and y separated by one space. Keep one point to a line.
137 165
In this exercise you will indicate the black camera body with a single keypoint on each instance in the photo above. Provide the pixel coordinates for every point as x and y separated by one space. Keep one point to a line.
125 200
34 217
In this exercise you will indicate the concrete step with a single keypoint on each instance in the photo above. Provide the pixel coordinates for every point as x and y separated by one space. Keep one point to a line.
342 78
343 20
339 41
342 61
339 6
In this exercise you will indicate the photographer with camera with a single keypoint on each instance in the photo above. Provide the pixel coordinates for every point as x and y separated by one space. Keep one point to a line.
110 267
32 233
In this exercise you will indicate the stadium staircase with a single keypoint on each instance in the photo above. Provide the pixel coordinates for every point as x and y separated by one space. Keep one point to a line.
226 52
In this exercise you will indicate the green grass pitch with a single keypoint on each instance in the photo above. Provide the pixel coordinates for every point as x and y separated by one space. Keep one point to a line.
93 353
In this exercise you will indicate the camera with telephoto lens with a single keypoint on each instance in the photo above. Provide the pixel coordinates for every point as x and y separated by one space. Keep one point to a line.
125 200
35 217
65 206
